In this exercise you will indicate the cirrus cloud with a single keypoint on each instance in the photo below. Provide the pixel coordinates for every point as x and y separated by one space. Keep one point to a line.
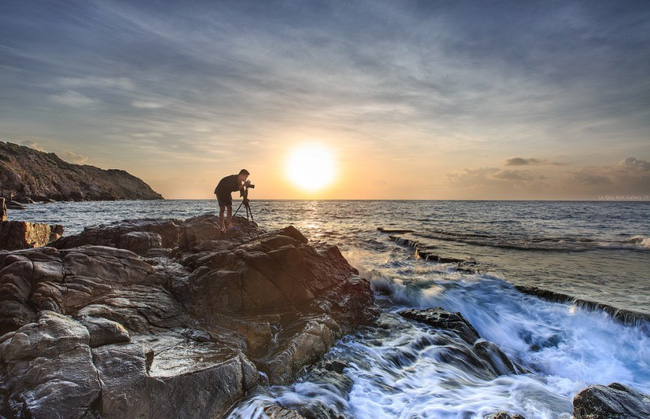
74 99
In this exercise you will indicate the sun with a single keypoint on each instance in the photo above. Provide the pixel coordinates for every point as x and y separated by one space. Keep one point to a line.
311 167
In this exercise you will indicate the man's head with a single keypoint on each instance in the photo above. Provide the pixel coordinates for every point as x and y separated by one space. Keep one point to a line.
243 175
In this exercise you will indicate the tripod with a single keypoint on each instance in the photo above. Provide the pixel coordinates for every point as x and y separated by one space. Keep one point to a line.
246 203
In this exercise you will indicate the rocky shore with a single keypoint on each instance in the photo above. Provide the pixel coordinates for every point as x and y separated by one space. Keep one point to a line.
184 327
172 318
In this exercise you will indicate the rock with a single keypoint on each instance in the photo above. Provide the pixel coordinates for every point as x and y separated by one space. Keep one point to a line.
15 205
3 210
274 274
293 232
47 370
278 412
393 231
624 315
504 415
442 319
133 388
205 229
140 241
184 332
462 346
103 331
329 373
139 236
612 401
32 175
492 354
16 235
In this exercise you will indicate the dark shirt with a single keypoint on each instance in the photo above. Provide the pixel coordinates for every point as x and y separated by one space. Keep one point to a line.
227 185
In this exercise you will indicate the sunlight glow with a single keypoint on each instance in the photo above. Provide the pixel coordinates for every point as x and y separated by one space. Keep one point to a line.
311 167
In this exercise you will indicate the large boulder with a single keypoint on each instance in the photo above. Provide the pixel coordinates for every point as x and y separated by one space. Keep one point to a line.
16 235
182 332
313 293
612 401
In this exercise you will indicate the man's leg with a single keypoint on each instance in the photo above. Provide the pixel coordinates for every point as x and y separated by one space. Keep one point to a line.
229 215
222 223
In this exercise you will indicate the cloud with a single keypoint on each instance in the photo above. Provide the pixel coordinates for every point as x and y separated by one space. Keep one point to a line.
520 161
411 79
72 157
147 105
514 175
628 176
490 176
33 144
632 164
74 99
97 82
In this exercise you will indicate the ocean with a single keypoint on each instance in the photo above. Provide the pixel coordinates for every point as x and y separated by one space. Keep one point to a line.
480 258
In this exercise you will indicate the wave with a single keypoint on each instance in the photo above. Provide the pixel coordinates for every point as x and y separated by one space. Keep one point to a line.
399 369
526 325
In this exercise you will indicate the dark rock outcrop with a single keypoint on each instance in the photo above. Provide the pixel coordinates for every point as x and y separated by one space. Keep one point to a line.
612 401
443 319
15 235
623 315
429 253
15 205
183 332
31 175
465 348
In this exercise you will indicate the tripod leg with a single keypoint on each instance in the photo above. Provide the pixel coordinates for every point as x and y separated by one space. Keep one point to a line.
233 216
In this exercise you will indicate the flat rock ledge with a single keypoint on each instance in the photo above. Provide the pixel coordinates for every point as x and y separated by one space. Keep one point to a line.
167 318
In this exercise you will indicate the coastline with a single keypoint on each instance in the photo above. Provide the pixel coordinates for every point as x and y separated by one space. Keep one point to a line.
200 251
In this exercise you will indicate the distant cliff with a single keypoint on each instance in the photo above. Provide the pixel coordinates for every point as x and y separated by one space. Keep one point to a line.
31 174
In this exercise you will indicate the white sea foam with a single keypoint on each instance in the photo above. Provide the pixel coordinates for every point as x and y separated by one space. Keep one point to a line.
401 374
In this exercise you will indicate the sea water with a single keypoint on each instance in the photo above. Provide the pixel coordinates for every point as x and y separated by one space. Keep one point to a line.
596 252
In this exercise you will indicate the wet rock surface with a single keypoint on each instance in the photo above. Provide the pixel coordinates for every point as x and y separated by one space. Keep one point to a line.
443 319
612 401
182 328
464 347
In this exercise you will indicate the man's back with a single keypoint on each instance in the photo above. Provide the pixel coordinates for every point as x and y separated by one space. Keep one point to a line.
227 185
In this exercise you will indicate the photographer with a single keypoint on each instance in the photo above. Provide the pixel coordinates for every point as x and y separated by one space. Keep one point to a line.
226 186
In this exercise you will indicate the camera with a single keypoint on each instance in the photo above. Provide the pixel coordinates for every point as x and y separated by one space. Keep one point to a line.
244 191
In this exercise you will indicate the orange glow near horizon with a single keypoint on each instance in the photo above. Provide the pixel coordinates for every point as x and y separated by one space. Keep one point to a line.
311 167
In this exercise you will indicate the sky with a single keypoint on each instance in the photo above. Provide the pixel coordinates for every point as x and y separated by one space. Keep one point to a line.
412 99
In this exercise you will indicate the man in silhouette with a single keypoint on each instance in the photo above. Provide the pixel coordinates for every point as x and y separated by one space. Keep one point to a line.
226 186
